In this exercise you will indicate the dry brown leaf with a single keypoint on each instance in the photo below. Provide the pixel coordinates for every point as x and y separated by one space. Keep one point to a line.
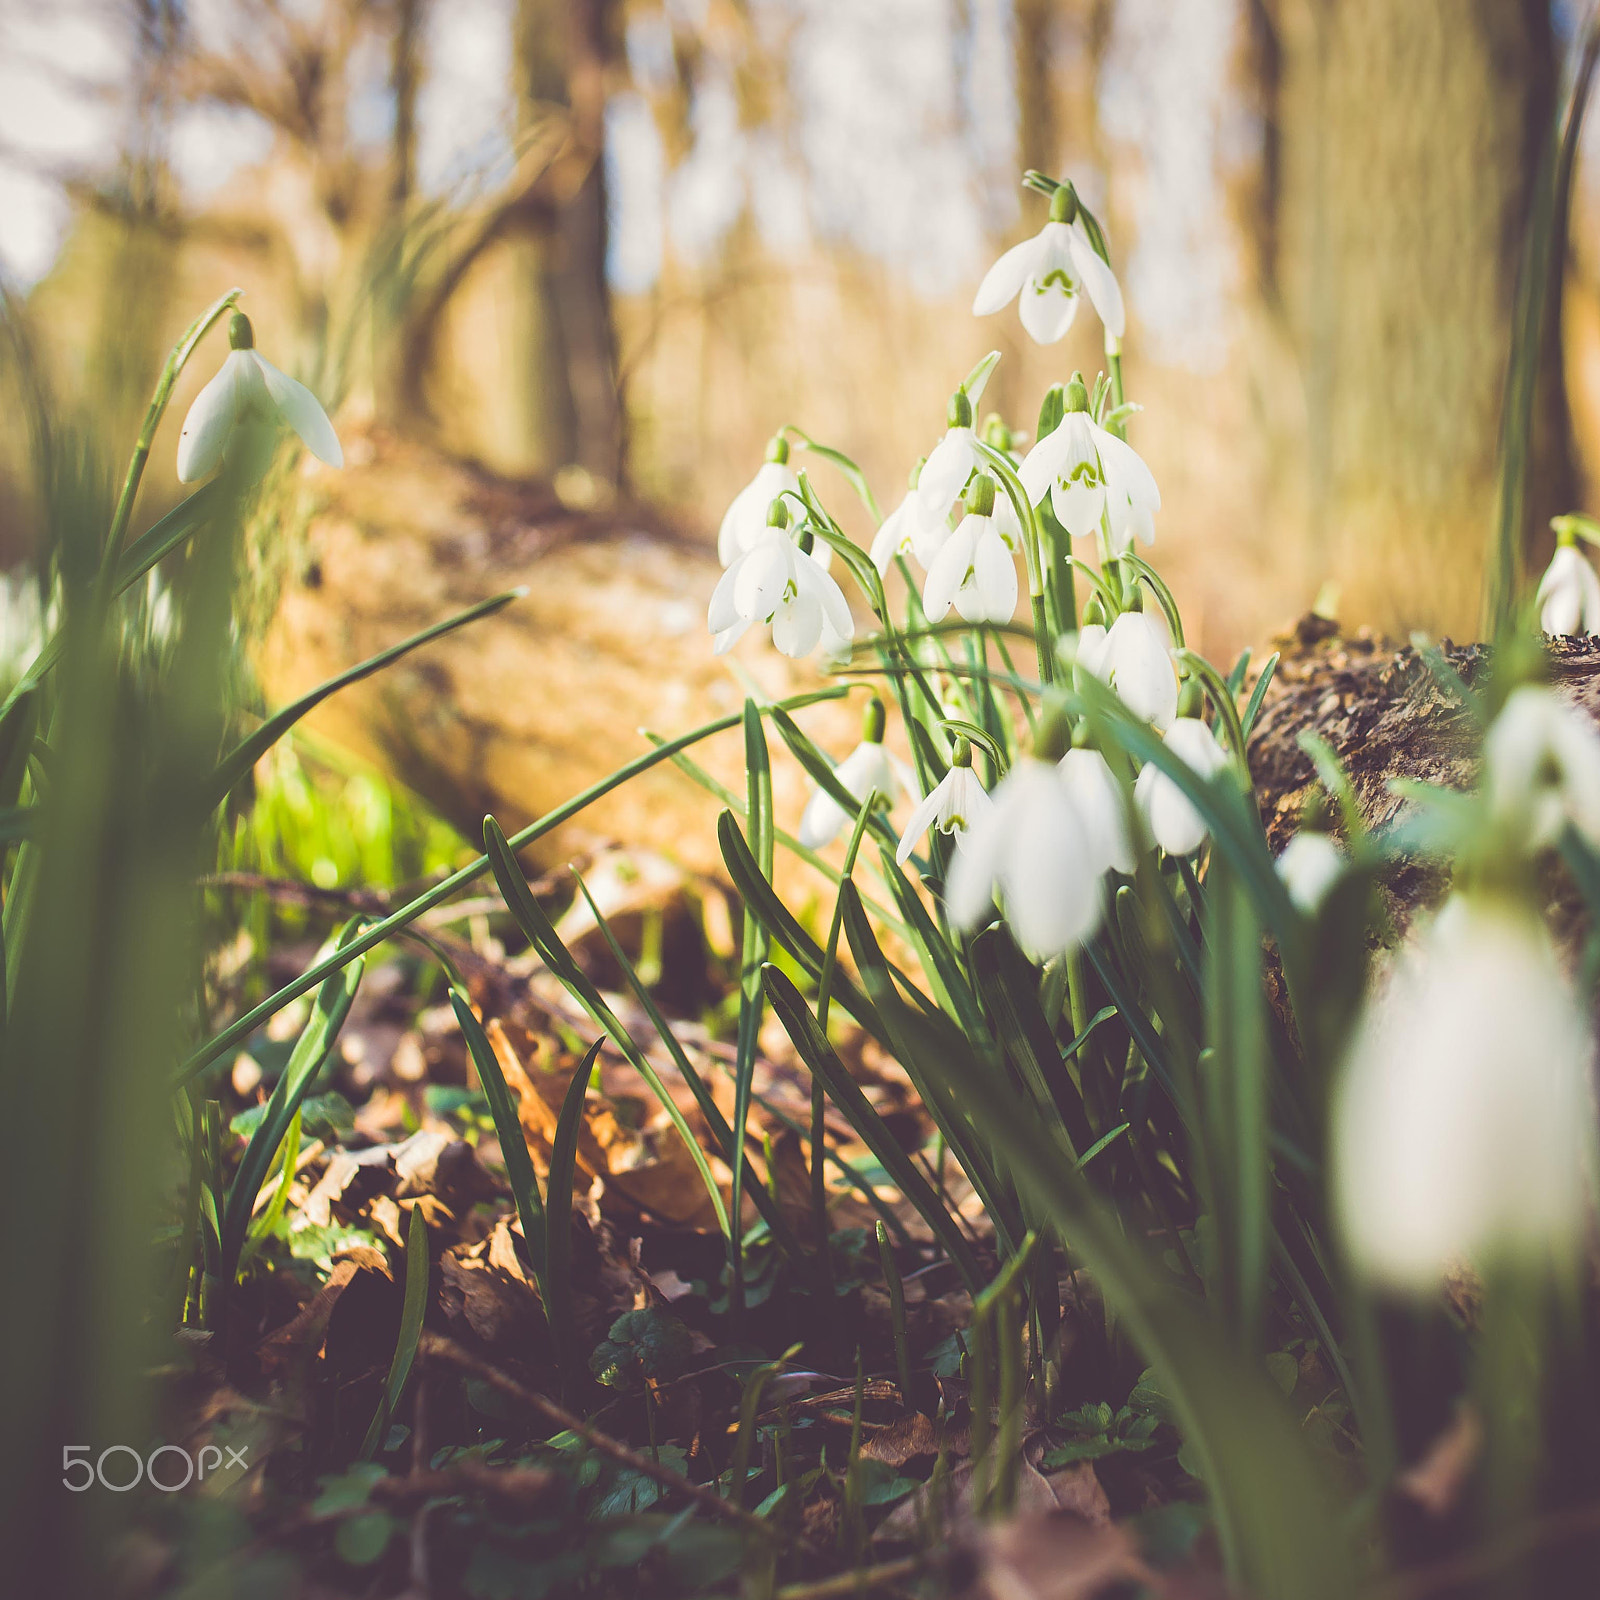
902 1441
1056 1556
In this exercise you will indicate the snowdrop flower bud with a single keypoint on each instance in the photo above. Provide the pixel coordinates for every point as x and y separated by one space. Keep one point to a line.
1569 591
239 415
912 526
1134 659
866 768
1086 471
1461 1128
1034 848
775 581
954 457
973 569
745 521
1090 782
1310 865
955 802
1048 271
1169 814
1542 770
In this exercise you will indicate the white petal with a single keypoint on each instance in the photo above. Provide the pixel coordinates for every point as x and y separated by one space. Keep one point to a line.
1099 280
1002 281
1310 865
723 612
893 537
1095 792
814 583
1047 310
1078 494
1141 669
1092 650
821 821
969 889
302 411
730 636
1042 464
922 818
992 594
1589 586
1049 877
1126 472
965 801
730 536
766 574
797 626
948 573
211 418
946 471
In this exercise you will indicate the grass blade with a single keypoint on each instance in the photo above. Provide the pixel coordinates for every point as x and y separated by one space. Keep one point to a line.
248 751
558 1209
313 1050
531 918
846 1093
513 1142
386 927
412 1313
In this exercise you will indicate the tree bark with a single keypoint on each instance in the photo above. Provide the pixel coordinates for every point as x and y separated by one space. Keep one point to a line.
1403 139
569 409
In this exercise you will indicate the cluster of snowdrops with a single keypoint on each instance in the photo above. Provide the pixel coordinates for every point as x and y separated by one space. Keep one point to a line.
1461 1129
1462 1125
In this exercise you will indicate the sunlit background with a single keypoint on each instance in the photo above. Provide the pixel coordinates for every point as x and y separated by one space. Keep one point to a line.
612 244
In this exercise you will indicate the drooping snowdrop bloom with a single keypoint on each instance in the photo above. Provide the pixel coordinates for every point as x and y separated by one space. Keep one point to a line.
1048 272
744 523
1461 1128
974 570
776 581
1133 658
1541 762
1087 470
240 415
1170 815
955 803
1310 865
913 527
1035 849
1569 592
1099 800
866 768
953 460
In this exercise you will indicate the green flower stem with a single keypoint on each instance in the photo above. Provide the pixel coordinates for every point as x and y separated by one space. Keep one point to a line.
1164 595
159 401
375 934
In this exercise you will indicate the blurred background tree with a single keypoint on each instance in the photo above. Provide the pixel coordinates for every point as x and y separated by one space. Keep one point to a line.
612 243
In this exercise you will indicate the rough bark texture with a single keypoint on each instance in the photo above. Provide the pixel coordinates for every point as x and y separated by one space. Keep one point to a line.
1403 138
1387 718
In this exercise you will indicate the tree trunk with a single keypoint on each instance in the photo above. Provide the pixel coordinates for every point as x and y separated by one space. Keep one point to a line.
1403 138
568 406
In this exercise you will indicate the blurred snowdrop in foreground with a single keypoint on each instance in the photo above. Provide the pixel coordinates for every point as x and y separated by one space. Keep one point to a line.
1462 1129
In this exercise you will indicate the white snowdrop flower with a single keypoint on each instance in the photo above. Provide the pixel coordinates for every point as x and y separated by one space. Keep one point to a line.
1133 657
953 460
1087 470
1310 865
1048 272
866 768
913 527
1461 1129
775 581
1170 815
1569 593
954 803
1034 847
1090 782
1541 762
241 412
973 569
745 521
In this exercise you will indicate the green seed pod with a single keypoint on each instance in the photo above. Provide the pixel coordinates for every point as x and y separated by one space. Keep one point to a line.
1064 204
778 449
959 414
241 336
874 719
1077 396
980 495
